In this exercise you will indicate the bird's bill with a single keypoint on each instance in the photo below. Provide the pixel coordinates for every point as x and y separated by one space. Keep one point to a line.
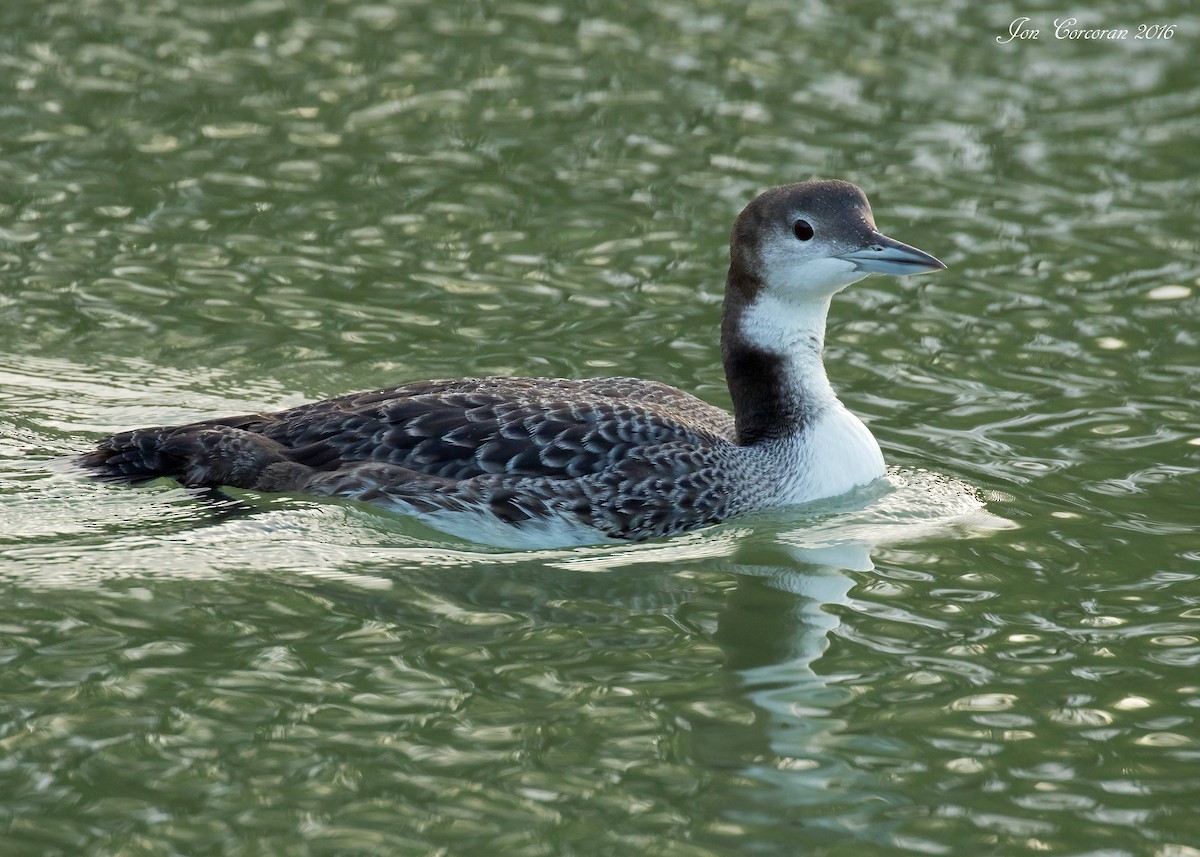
888 256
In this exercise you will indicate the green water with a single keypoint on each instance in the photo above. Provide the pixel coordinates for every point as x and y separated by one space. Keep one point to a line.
220 207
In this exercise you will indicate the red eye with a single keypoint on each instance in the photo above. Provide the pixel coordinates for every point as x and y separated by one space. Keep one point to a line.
802 229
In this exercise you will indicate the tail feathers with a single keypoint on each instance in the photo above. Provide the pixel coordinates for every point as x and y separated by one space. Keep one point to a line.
205 455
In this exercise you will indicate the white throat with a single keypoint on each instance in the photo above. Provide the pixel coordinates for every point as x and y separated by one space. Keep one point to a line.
794 331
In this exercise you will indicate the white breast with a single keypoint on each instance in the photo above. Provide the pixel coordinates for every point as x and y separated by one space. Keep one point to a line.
834 455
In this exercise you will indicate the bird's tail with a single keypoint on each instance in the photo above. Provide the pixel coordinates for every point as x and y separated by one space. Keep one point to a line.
195 455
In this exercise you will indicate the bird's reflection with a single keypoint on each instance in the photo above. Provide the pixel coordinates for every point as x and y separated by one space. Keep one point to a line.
775 627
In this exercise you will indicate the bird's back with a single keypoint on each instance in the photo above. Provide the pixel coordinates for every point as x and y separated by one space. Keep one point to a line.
454 429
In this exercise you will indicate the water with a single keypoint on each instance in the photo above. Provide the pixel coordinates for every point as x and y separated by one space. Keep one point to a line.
230 207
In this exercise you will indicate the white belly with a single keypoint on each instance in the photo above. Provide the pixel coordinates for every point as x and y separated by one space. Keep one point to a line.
486 529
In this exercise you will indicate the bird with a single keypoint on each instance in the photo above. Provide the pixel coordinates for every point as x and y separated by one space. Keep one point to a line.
547 462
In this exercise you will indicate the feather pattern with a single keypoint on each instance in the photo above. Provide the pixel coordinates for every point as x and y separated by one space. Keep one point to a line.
614 454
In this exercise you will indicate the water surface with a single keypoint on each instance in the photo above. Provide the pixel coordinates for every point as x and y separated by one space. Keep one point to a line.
230 207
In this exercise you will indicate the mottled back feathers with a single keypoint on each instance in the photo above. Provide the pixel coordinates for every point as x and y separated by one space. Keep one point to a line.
618 455
472 427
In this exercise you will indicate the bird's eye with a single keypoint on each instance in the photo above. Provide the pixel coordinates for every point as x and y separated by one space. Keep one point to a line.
802 229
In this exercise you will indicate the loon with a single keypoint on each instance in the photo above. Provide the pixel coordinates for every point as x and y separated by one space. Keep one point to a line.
519 462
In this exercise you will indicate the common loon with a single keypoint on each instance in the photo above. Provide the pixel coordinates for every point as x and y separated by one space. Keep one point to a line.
548 461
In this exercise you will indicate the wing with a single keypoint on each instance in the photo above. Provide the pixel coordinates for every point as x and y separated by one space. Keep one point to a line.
518 427
654 491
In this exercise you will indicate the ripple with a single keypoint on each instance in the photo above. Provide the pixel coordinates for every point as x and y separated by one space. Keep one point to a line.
236 206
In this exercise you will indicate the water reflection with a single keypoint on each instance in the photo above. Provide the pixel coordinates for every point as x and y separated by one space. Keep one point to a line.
770 713
774 629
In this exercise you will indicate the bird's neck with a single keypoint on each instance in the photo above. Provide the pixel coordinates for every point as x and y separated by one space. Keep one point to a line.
771 349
